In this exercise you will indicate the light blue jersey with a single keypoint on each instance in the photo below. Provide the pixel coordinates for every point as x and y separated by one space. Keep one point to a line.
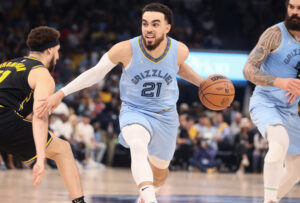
268 105
149 93
150 84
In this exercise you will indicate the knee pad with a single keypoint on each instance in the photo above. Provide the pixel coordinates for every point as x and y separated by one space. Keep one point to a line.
278 143
136 135
275 154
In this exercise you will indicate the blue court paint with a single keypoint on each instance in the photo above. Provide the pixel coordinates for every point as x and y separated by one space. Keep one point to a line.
184 199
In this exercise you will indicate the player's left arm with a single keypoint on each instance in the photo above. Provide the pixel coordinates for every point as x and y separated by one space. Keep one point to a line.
185 71
43 84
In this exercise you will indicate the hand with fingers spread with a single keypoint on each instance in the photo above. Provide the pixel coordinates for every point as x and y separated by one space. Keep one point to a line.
38 173
48 105
291 97
291 85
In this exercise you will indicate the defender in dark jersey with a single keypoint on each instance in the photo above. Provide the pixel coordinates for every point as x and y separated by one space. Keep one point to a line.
23 82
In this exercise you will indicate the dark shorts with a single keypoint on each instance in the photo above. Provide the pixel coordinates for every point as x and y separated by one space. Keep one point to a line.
16 136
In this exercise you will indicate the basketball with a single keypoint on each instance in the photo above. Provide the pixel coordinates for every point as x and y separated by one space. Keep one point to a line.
216 92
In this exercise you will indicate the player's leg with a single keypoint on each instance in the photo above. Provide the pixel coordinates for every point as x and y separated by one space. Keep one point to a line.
278 140
291 175
160 171
60 151
138 138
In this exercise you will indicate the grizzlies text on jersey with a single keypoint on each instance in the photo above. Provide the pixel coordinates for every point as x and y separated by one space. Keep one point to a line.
149 83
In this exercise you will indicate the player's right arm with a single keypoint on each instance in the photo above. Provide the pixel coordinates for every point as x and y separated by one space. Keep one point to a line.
269 41
119 54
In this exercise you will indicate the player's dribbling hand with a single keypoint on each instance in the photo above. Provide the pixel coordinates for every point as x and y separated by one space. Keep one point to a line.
47 106
38 173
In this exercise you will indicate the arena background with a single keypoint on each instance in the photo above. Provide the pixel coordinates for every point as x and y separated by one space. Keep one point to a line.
223 30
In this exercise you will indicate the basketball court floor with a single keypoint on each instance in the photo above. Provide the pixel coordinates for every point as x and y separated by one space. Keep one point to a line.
110 185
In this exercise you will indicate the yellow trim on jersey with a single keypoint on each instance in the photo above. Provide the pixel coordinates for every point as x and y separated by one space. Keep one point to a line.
24 119
290 34
1 106
27 99
149 58
38 66
32 58
35 155
163 110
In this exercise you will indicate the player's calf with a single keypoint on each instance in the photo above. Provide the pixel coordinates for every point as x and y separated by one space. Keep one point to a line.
273 168
60 151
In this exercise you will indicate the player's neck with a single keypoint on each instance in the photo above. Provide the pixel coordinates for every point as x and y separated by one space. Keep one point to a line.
159 50
38 57
295 34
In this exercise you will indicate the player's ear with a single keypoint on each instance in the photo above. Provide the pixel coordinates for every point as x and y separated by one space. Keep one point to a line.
48 51
168 28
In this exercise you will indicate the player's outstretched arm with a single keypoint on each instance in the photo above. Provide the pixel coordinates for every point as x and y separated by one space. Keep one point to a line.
269 41
88 78
43 84
185 71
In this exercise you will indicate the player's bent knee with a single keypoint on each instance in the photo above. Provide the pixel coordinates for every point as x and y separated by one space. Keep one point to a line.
59 147
276 153
278 143
277 133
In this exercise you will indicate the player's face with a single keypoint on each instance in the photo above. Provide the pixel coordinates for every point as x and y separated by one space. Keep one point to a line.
154 29
54 58
292 18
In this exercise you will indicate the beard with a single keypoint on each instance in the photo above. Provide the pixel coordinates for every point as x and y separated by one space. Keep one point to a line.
153 45
292 22
51 65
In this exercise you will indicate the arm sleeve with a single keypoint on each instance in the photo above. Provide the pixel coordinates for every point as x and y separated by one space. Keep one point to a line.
90 77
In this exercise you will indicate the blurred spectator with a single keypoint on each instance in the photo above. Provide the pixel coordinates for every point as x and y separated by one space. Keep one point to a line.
204 156
86 135
184 146
260 150
235 125
2 164
224 138
244 145
209 132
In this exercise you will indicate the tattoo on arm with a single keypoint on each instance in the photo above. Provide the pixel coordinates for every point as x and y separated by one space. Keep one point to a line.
269 41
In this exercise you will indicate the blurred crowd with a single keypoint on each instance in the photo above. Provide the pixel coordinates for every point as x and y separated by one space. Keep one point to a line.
224 141
208 141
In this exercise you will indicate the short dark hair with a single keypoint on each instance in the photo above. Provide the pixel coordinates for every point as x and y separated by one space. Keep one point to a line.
287 2
41 36
158 7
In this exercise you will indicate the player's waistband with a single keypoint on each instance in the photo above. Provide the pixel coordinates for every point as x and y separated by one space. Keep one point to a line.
145 109
164 110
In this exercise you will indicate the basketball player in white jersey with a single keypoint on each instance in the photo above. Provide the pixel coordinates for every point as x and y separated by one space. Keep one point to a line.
149 92
273 65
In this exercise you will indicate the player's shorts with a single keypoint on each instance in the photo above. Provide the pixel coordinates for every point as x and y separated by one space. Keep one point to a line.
264 113
163 128
16 135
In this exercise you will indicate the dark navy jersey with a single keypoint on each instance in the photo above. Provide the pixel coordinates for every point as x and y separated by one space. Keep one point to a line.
15 92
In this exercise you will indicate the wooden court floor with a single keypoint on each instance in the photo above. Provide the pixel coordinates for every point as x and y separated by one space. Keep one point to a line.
116 185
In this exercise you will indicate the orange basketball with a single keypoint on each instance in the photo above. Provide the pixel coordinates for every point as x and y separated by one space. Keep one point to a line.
216 92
